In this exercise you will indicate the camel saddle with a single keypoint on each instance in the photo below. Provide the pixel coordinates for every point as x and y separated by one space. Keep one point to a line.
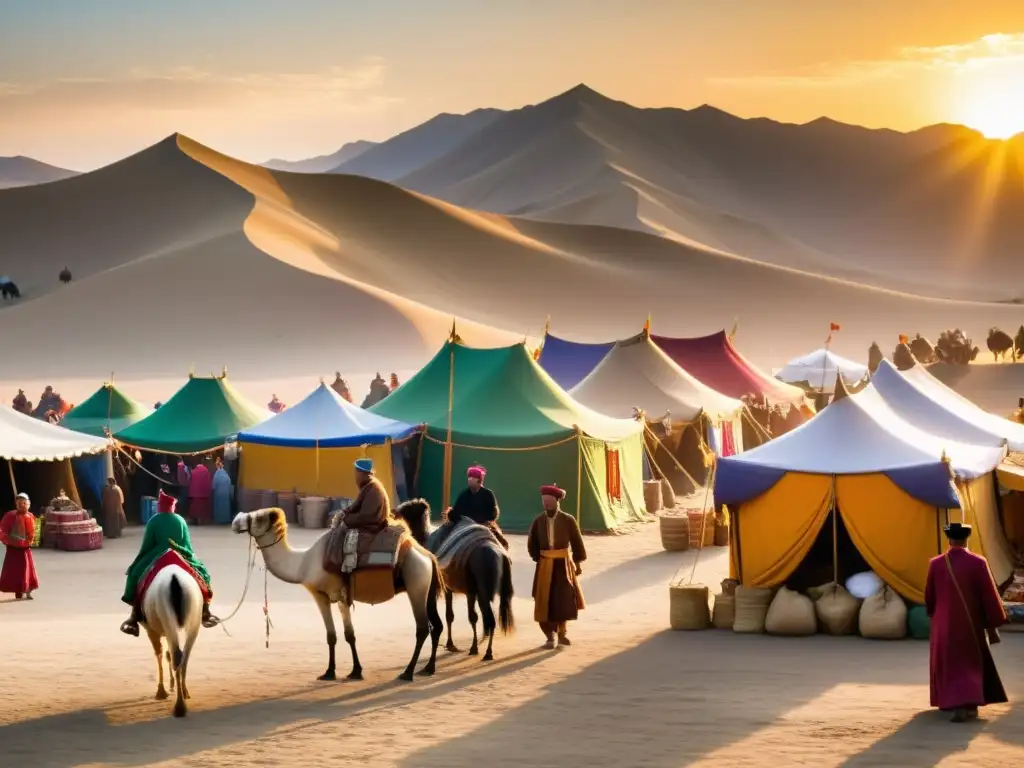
380 550
170 557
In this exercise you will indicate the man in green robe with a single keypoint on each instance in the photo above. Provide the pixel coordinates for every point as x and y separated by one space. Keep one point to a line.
166 531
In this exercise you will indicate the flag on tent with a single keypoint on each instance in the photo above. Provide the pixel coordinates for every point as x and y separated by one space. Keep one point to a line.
832 328
904 339
647 325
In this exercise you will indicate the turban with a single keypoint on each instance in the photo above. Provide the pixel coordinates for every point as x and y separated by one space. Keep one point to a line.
476 471
23 496
552 490
364 465
166 503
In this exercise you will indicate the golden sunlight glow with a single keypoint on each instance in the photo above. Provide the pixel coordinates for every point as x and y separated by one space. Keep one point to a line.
991 100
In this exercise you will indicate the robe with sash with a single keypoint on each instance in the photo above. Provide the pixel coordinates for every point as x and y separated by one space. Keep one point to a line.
963 602
556 545
164 531
18 575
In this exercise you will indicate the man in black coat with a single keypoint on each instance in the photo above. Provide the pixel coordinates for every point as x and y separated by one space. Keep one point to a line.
478 503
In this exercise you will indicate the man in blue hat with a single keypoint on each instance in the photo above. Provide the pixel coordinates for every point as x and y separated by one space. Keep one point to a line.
362 520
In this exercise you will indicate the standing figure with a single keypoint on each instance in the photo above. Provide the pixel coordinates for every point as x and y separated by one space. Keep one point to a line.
17 529
200 489
478 503
222 494
964 606
556 546
166 532
184 476
114 520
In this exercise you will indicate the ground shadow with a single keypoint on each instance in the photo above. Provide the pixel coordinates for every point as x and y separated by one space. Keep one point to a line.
619 710
924 741
639 573
61 741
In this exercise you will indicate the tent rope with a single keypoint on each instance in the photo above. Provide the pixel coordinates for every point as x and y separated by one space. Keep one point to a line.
494 448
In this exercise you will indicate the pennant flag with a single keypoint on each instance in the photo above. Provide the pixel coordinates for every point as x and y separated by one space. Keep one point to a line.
536 352
647 325
833 327
904 339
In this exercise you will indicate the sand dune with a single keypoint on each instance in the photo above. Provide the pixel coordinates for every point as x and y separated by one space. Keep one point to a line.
23 171
182 254
935 211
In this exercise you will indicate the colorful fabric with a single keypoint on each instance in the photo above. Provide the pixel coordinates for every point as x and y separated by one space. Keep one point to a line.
464 537
168 557
165 529
18 575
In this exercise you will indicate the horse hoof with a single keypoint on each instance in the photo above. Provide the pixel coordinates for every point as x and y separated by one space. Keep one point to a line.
488 656
328 675
355 674
452 647
406 677
161 694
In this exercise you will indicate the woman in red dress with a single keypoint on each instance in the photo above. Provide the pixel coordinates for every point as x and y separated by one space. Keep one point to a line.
17 529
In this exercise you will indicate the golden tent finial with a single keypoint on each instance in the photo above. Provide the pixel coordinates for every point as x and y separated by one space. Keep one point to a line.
224 372
547 325
647 325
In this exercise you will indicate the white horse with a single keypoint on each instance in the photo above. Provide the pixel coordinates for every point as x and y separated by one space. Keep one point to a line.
173 612
417 574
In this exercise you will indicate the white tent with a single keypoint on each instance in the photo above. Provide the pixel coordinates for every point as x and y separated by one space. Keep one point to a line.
636 373
922 399
23 438
820 368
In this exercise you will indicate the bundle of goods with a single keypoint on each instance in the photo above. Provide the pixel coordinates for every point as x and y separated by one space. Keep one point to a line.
668 494
751 609
791 614
675 531
864 585
702 527
688 606
724 613
1015 615
883 616
288 501
83 536
56 522
652 495
836 608
919 625
313 512
722 528
1015 592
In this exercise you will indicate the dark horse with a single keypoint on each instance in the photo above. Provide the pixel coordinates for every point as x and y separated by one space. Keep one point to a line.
10 290
487 572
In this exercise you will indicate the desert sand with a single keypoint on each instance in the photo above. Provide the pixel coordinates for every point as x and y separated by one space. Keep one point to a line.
183 256
628 692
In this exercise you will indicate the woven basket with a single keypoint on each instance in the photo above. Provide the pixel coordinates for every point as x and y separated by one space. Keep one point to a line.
729 587
668 494
688 606
652 495
313 512
751 609
701 522
724 614
675 532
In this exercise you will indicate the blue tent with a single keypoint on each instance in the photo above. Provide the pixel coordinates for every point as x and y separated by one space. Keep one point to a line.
569 362
310 448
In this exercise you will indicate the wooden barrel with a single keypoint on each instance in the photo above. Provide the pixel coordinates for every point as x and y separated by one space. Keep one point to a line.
688 606
675 532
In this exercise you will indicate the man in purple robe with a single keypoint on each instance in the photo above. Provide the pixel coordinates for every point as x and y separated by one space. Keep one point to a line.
966 612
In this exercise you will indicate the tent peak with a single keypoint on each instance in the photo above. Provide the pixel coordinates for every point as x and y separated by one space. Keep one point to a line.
841 389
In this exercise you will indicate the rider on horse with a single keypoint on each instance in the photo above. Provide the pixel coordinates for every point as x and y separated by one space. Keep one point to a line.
166 534
477 503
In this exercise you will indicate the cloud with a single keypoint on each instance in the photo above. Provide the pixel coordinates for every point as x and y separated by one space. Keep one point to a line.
339 88
987 51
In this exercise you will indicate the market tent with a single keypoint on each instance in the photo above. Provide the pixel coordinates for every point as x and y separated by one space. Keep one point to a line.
890 483
637 376
39 456
819 369
569 362
716 362
498 408
107 410
310 447
199 417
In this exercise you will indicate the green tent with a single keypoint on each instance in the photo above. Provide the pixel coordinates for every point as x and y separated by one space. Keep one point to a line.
200 417
508 415
108 408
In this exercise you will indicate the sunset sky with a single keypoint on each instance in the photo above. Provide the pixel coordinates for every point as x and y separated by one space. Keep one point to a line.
83 83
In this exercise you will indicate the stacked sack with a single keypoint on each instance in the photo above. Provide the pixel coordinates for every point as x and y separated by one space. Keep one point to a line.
751 609
837 610
724 614
883 616
791 614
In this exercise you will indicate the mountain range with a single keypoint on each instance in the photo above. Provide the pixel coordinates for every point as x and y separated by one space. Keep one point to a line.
583 209
22 171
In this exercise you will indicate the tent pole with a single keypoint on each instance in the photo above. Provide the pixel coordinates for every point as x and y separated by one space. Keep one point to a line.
835 534
446 495
110 398
14 485
579 475
316 454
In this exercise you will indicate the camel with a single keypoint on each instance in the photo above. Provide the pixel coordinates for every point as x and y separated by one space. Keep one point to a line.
999 343
955 348
875 356
417 574
487 573
903 357
173 612
922 349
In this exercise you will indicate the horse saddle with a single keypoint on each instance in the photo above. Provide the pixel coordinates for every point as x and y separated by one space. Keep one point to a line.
170 557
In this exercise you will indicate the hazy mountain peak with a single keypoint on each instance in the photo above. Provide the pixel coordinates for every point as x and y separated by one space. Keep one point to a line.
20 171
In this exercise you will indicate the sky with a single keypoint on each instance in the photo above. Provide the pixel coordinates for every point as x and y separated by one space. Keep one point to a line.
86 82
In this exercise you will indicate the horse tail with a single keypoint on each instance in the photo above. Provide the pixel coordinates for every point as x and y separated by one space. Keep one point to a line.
506 620
178 600
437 584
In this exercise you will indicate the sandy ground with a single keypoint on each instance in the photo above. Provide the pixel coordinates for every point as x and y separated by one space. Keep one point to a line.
75 692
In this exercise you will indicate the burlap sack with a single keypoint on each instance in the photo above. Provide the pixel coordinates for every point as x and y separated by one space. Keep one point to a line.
791 614
883 616
837 611
751 609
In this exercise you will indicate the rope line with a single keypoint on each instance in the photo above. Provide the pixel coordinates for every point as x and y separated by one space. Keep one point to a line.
495 448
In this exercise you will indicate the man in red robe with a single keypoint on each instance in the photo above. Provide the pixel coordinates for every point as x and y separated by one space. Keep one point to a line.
17 529
964 606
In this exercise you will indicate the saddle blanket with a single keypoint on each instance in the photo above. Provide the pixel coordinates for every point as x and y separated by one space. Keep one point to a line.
384 549
348 551
465 537
170 557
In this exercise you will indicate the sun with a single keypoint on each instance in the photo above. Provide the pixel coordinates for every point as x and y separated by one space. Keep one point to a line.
991 100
